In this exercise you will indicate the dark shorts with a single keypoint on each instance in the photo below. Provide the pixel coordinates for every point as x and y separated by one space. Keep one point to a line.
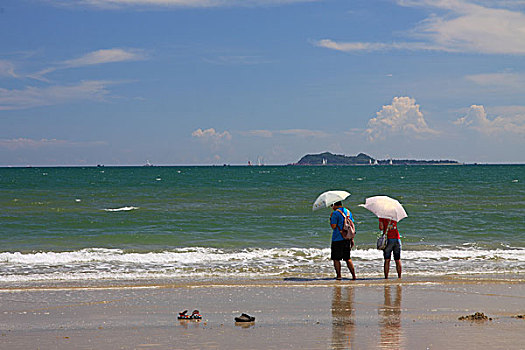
393 245
340 250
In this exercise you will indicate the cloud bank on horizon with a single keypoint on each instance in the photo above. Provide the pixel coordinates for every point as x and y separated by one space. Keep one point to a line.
400 119
210 81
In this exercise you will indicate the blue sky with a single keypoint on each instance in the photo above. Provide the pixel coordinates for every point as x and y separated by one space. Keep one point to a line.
119 82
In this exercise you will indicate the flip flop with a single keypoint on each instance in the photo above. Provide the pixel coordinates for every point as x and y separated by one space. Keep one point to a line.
195 315
183 316
245 318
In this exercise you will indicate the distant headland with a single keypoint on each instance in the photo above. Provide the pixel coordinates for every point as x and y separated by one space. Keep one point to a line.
328 158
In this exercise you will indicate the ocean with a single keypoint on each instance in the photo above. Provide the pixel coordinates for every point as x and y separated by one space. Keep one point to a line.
224 223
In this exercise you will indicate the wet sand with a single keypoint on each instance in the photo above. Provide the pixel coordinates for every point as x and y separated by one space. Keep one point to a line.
294 313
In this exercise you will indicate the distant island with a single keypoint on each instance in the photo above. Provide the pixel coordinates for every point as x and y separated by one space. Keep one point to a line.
328 158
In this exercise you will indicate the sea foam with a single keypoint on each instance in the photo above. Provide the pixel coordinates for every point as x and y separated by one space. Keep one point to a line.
201 262
122 209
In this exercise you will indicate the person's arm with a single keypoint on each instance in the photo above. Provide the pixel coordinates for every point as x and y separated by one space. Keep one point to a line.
382 226
332 220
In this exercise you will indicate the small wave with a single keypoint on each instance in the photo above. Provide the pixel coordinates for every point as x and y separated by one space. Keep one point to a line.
211 263
121 209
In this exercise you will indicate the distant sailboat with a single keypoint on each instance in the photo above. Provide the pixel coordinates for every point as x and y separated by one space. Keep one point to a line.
324 161
259 161
390 162
148 163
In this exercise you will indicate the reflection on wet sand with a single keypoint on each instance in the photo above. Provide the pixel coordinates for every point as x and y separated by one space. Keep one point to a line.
390 320
189 323
342 317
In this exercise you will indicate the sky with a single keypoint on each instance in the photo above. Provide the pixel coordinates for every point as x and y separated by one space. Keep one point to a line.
205 82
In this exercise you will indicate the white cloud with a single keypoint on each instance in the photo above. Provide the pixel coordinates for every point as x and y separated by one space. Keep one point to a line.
508 110
31 96
475 28
349 46
103 56
21 142
370 47
213 141
464 27
106 56
476 118
259 133
303 133
503 80
7 69
238 60
401 118
176 3
35 97
292 132
211 135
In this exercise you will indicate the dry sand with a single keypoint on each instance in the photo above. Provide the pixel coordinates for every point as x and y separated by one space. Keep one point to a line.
290 314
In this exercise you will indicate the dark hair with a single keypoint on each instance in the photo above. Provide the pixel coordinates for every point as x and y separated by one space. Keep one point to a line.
338 204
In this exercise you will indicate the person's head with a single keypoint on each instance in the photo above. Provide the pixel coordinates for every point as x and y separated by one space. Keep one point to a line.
337 205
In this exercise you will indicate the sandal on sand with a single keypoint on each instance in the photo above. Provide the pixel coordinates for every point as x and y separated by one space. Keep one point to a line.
195 315
244 318
183 316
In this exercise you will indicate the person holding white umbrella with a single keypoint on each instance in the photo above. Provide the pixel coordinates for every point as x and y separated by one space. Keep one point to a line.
340 247
389 211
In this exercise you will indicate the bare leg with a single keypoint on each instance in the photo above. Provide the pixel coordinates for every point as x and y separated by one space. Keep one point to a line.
398 268
387 267
337 266
350 265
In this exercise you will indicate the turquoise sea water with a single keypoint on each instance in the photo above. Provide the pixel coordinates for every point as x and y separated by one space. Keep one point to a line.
251 222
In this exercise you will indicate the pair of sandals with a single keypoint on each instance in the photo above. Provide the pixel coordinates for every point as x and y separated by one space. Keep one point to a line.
195 315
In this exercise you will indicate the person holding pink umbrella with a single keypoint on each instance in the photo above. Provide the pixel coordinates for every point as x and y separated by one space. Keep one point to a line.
389 227
389 211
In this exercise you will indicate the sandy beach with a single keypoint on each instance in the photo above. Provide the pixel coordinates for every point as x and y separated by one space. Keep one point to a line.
294 313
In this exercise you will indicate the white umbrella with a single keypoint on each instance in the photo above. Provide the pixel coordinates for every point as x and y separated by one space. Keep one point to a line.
385 207
328 198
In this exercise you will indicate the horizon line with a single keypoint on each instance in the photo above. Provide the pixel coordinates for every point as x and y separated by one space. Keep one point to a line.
240 165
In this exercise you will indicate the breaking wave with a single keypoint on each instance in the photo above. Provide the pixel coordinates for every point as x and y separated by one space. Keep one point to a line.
211 263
